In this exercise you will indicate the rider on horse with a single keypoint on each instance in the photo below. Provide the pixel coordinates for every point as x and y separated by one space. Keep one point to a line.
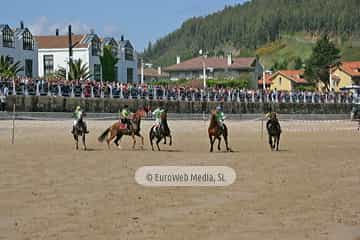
220 116
77 115
157 114
125 116
271 116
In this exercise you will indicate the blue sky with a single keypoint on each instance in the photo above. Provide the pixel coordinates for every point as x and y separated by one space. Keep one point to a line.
140 21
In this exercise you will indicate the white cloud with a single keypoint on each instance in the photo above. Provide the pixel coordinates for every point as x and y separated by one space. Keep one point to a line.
111 30
42 26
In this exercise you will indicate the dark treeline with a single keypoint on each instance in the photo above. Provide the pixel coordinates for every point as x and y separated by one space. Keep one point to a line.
250 25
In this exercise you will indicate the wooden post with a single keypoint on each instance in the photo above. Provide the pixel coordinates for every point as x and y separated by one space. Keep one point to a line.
262 128
13 125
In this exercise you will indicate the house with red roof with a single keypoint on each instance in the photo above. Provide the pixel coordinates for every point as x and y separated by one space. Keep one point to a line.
286 80
217 68
346 74
151 74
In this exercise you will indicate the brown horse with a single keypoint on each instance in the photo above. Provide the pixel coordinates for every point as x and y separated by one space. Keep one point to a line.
215 132
118 130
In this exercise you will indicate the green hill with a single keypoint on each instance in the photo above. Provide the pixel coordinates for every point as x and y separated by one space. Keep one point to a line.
273 29
290 47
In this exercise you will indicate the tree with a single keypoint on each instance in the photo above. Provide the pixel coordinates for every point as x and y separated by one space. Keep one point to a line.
280 65
78 71
108 64
9 69
323 57
298 63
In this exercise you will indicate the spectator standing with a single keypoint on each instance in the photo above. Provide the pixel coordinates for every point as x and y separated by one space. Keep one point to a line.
2 101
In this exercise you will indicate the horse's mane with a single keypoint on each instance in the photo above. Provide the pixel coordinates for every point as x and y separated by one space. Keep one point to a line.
164 116
213 122
139 114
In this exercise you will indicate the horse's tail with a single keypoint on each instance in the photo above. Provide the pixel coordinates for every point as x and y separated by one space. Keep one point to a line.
102 137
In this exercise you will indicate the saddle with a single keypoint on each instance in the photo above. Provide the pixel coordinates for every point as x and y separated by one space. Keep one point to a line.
123 126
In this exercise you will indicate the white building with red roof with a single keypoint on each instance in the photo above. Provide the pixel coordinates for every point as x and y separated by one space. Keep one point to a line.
54 54
217 68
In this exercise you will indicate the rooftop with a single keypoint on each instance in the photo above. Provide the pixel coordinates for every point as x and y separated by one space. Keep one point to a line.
212 62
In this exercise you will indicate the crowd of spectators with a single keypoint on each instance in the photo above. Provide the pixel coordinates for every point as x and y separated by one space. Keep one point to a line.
94 89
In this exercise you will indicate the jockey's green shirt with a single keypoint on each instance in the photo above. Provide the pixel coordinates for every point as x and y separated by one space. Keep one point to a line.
220 116
157 113
77 114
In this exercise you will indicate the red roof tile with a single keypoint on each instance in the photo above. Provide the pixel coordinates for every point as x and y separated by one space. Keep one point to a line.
351 68
212 62
60 41
294 75
151 72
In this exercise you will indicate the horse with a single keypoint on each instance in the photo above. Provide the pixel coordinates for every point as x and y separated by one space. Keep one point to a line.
355 116
160 132
215 132
79 130
118 130
274 131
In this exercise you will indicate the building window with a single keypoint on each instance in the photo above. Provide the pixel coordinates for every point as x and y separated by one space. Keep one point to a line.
130 75
28 42
48 64
114 47
129 53
97 72
95 47
11 59
8 37
280 81
28 68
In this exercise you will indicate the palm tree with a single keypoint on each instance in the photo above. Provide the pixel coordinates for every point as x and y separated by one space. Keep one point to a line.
9 69
78 71
108 64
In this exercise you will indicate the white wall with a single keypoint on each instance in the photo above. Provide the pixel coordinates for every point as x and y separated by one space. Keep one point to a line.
19 54
61 58
123 65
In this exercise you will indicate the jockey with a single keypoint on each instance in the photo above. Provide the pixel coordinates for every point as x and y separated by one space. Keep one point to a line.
220 117
77 115
272 116
125 115
157 114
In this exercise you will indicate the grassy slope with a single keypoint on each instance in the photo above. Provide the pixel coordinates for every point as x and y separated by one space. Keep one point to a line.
292 46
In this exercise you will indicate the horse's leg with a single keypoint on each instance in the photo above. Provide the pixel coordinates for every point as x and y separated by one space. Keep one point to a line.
225 135
113 134
211 143
76 142
164 139
157 143
274 142
142 140
277 142
84 141
134 140
170 140
219 142
119 135
270 142
151 137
